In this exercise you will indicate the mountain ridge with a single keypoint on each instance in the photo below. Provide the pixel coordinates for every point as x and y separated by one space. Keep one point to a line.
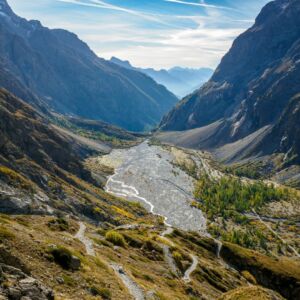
65 74
181 81
252 86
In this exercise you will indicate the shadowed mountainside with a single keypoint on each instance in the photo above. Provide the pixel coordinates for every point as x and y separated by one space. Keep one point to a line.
66 75
254 87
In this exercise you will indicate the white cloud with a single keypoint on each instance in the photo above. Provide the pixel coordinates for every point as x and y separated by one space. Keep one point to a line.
202 4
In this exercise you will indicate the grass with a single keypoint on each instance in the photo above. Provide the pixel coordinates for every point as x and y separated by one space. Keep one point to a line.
115 238
250 293
5 234
68 280
60 224
104 293
15 179
123 212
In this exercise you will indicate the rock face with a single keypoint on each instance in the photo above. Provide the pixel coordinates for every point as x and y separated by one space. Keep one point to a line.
31 154
16 282
16 285
66 75
26 134
254 84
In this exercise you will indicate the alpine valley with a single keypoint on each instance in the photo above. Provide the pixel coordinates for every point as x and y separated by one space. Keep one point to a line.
112 189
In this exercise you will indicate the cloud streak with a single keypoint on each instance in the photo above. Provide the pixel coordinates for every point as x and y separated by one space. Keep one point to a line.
202 4
104 5
164 34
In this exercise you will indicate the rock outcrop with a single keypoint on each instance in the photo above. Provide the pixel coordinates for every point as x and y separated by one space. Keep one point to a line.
16 285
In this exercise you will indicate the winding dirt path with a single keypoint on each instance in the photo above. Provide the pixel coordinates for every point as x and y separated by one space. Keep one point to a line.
133 288
166 250
80 235
187 275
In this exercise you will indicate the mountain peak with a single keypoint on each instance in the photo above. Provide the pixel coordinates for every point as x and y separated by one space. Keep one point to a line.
5 9
123 63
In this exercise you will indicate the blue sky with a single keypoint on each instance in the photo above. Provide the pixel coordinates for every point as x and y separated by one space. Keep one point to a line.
149 33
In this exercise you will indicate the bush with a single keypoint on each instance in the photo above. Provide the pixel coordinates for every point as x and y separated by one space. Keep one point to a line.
115 238
65 258
177 256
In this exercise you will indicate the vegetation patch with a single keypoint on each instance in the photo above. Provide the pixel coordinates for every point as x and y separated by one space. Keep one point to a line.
102 292
5 234
228 195
65 258
123 212
115 238
15 179
60 224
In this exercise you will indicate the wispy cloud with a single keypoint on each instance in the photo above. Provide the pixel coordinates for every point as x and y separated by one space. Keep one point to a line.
104 5
201 4
159 34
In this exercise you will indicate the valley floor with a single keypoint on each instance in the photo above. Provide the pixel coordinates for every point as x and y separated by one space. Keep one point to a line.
147 174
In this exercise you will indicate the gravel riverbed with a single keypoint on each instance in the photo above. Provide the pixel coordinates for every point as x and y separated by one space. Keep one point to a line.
148 175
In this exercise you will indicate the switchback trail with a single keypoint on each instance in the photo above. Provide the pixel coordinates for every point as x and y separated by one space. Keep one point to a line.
133 288
80 235
187 275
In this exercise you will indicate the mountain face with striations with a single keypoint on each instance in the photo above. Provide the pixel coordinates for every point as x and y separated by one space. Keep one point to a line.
69 78
253 92
178 80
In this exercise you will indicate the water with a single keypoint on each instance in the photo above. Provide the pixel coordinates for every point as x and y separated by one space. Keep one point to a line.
146 174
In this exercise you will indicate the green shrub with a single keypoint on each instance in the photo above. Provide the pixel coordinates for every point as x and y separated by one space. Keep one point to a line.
63 257
115 238
150 245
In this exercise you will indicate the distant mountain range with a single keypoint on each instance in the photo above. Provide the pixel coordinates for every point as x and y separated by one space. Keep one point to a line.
250 107
180 81
55 69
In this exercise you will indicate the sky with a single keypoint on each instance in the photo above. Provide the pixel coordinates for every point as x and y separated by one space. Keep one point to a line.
149 33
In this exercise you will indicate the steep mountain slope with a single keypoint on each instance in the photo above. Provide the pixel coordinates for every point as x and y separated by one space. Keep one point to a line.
284 135
180 81
46 195
252 88
41 168
62 70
